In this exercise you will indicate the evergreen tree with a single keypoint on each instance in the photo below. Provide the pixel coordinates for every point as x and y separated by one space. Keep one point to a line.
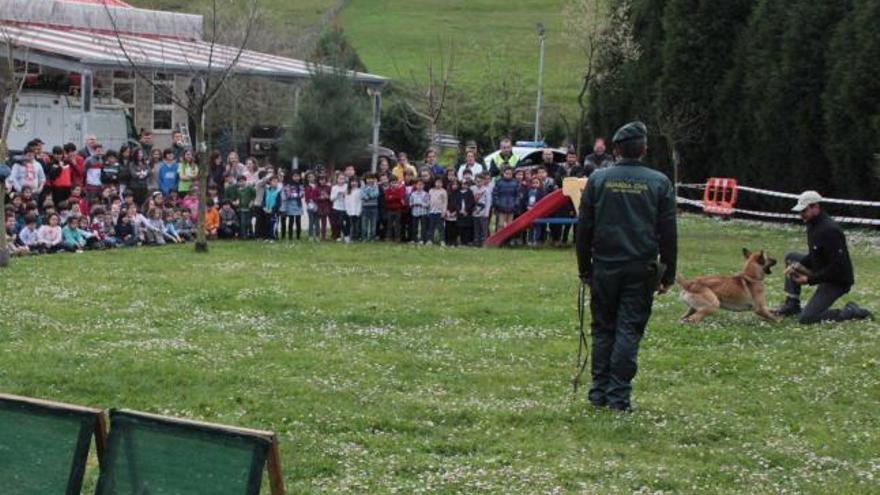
699 38
334 49
333 123
852 103
628 94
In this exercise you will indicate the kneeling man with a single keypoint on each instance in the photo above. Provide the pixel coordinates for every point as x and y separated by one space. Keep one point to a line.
827 266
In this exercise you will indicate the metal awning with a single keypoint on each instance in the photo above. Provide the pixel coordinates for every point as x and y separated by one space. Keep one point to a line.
79 49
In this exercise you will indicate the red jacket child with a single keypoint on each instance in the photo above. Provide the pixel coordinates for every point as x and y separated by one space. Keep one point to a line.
395 196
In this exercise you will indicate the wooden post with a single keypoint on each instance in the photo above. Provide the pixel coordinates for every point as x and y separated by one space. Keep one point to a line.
276 481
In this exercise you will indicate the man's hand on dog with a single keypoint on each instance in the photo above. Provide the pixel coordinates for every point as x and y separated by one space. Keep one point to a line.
663 288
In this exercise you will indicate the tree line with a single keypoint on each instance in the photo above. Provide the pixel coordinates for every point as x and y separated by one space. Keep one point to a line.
780 94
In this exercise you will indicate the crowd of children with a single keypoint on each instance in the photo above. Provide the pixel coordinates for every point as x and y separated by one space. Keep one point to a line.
72 200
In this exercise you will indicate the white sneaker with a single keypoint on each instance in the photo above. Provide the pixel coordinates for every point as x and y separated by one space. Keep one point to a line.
347 240
428 243
443 243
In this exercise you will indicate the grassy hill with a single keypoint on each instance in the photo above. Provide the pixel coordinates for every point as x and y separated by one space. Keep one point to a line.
394 36
399 369
491 37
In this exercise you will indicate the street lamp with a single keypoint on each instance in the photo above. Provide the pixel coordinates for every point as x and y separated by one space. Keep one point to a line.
541 32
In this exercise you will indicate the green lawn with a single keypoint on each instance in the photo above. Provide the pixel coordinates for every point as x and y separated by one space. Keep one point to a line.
400 369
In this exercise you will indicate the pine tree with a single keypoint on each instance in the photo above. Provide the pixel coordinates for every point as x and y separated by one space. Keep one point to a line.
333 122
852 104
699 38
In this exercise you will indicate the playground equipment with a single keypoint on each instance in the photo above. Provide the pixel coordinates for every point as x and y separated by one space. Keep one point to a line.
550 204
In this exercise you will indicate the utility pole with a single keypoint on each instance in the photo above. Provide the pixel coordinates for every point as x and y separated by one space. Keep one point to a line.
541 32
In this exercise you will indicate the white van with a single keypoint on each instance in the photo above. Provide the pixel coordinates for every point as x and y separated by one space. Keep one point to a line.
56 119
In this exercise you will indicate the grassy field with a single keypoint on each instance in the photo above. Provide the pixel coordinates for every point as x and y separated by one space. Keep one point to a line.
394 369
395 37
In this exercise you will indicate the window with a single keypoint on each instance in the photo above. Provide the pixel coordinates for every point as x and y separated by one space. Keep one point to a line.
32 68
124 89
163 88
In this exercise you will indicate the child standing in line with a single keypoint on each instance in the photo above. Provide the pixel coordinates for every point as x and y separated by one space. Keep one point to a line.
437 202
420 201
464 221
353 210
482 206
451 214
370 213
395 203
244 202
534 194
311 198
291 206
504 198
337 214
324 205
271 207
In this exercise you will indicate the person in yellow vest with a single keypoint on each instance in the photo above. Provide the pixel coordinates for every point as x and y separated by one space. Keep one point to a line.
402 167
504 159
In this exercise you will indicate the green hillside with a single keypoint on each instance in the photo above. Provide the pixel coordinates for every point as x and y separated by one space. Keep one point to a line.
394 38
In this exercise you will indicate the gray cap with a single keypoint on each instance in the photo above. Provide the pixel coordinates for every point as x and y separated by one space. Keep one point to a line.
806 199
633 130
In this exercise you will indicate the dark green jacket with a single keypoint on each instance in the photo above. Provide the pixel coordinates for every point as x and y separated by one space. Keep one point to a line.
627 214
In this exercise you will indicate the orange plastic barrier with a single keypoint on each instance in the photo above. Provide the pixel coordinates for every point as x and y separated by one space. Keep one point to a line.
719 198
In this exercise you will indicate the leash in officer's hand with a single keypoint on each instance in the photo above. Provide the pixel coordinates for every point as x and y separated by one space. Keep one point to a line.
582 357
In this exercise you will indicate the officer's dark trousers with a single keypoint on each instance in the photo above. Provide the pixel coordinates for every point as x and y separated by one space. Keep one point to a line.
818 309
620 303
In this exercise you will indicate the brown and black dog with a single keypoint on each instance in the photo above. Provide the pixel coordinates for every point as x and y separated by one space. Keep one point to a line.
741 292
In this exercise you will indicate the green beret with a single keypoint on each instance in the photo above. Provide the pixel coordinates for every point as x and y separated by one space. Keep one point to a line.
633 130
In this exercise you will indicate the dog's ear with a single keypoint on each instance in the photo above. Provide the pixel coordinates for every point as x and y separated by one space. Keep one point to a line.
746 252
761 259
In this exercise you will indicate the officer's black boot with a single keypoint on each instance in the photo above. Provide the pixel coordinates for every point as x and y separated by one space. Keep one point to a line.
852 311
791 307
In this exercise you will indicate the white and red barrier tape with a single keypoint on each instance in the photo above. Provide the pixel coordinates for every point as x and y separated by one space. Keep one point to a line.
766 192
788 216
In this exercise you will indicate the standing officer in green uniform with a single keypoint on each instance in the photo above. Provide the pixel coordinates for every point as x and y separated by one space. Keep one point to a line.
627 220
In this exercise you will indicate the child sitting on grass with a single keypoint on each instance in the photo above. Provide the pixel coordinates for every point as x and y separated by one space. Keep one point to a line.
74 237
228 221
28 236
183 225
171 233
49 236
212 222
125 234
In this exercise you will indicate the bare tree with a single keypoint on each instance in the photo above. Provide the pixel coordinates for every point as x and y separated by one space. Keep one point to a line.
427 95
601 34
679 126
10 86
208 82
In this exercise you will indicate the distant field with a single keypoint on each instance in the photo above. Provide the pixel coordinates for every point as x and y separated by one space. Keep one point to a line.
400 369
397 34
292 14
393 37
